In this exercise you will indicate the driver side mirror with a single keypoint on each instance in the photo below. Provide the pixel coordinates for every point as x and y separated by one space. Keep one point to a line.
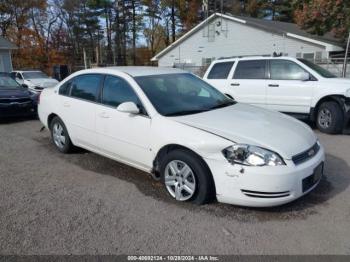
128 107
24 85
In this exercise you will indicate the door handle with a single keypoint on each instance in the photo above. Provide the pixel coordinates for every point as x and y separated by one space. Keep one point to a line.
274 85
235 84
66 104
103 115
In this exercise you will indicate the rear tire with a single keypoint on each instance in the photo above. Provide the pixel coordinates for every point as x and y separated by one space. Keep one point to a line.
60 136
330 118
186 177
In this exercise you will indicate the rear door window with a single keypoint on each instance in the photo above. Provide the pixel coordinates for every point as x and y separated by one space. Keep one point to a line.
65 88
250 69
220 70
86 87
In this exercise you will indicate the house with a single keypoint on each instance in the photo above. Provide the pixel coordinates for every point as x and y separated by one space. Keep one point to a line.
5 55
221 36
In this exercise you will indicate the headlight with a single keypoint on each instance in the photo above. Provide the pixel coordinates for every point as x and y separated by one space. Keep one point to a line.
252 156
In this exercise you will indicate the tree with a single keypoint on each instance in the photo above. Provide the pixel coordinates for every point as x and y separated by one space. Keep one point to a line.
153 30
134 8
7 10
280 10
170 19
189 13
323 16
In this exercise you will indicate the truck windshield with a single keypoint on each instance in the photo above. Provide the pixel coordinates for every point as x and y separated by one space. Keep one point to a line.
320 70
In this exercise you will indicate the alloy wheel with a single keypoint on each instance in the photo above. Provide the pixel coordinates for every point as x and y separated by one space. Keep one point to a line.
179 180
325 118
58 135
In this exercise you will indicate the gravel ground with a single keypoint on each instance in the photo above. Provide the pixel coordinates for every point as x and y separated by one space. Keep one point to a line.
83 203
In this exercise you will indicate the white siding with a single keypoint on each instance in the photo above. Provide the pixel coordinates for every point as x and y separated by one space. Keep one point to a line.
5 61
239 40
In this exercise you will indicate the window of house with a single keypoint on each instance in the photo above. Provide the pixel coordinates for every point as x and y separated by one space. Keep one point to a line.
318 56
250 69
309 56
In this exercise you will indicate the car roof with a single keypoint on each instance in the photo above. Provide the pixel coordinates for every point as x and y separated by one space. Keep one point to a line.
135 71
24 71
253 58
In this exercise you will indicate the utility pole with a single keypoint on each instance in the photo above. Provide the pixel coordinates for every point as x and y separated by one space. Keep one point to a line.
346 57
97 56
84 55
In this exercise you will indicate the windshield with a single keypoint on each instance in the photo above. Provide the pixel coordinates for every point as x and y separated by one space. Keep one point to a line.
6 82
34 75
181 94
323 72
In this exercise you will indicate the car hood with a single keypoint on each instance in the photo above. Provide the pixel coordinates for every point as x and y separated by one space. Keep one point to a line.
43 82
247 124
14 93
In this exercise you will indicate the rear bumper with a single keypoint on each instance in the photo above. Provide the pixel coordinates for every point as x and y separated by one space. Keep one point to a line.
263 186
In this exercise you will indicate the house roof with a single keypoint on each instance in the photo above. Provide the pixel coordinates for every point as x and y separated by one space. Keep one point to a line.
277 27
5 44
283 27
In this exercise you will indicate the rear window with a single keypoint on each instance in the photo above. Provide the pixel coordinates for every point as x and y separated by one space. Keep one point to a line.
220 70
252 69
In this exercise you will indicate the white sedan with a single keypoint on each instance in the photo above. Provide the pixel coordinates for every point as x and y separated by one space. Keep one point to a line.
35 81
201 144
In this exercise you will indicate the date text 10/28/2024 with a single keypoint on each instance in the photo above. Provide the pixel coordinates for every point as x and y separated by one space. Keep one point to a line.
173 258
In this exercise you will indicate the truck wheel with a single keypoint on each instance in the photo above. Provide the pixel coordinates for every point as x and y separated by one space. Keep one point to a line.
330 118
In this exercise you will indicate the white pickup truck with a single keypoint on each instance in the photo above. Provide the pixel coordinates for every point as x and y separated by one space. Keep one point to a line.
289 85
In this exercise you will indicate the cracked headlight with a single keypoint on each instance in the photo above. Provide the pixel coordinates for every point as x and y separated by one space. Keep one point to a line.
252 156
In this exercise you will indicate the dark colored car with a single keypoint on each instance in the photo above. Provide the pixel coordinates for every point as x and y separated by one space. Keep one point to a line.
15 100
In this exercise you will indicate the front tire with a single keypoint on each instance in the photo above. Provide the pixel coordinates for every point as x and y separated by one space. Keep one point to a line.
59 135
186 177
330 118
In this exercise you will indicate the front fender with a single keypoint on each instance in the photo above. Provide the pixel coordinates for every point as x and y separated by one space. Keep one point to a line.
168 132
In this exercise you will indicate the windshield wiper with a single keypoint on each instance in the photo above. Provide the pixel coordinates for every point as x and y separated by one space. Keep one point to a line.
186 112
225 104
